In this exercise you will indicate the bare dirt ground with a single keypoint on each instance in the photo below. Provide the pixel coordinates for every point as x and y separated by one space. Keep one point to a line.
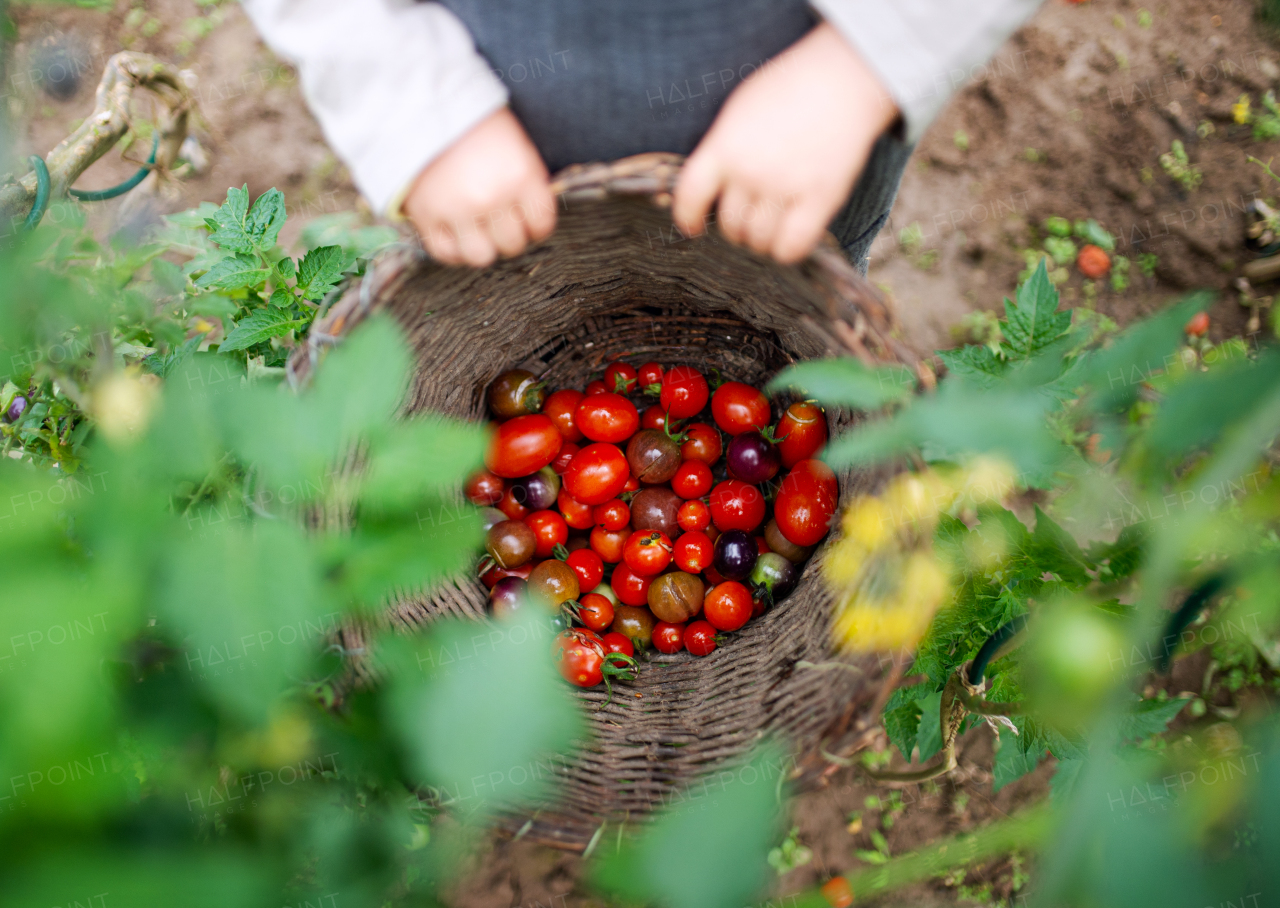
1069 120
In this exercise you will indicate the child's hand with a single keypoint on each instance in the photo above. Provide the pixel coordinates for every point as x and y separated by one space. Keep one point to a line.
487 195
786 148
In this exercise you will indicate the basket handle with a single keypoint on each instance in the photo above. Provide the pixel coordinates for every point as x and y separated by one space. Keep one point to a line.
861 319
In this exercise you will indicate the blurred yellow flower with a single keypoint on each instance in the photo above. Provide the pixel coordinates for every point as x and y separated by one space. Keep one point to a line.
1240 110
887 580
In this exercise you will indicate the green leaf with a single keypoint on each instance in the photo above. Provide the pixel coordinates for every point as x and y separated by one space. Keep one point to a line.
256 327
1034 322
1150 717
975 363
1053 549
1117 371
1092 232
422 456
228 222
929 733
360 384
902 723
845 382
483 714
320 271
282 298
164 365
729 821
288 268
234 272
1064 779
168 276
1011 762
265 219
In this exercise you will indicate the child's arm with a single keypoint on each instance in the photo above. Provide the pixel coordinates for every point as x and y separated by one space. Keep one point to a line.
785 150
418 117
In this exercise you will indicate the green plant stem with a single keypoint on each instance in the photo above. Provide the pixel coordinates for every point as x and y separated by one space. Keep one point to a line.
1023 831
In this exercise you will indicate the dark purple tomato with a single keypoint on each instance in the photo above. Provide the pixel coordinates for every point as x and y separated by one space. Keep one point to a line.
753 458
16 409
656 509
508 596
775 575
735 555
537 492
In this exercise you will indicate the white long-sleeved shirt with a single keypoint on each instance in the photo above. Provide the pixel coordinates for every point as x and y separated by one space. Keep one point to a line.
394 84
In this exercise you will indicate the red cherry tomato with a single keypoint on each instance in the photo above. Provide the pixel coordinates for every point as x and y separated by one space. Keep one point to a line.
560 407
589 567
575 513
511 506
761 546
702 442
484 488
728 606
549 529
806 502
523 445
579 654
647 552
618 643
620 378
712 575
736 505
1198 324
684 392
692 479
649 378
739 408
693 515
597 473
632 484
700 638
668 638
608 545
595 611
596 387
607 417
653 417
564 458
630 588
612 515
495 573
802 433
693 552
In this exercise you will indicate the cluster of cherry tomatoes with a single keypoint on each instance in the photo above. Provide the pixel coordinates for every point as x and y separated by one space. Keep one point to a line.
666 527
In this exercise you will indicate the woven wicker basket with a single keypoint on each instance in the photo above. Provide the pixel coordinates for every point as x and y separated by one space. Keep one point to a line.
614 281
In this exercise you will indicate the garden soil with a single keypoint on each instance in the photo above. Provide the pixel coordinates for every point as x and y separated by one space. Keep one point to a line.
1070 119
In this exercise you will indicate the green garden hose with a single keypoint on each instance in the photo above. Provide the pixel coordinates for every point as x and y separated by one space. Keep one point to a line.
41 204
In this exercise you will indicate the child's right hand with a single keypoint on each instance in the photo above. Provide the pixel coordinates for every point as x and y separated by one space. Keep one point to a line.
487 195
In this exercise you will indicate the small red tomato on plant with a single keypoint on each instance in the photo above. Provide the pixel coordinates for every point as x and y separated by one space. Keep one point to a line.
523 445
589 567
612 515
596 387
1093 262
647 552
702 442
607 417
692 480
739 408
668 638
631 588
1197 326
649 378
560 409
595 611
700 638
575 513
735 505
684 392
728 606
801 433
484 488
693 552
597 473
620 378
608 545
693 515
550 530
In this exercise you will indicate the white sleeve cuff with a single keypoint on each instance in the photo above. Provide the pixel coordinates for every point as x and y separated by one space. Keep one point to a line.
392 85
924 50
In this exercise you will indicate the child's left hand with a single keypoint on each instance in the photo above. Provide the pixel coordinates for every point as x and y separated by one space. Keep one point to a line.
784 151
